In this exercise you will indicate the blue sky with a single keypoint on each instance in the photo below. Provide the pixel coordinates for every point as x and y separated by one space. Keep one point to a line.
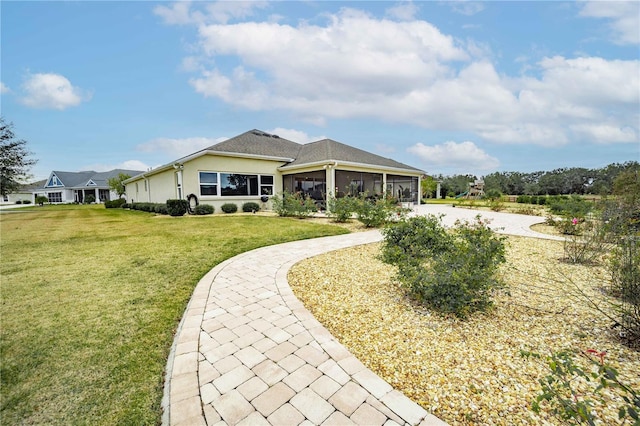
448 87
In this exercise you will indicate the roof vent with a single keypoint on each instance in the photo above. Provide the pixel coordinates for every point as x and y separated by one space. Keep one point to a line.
275 136
256 133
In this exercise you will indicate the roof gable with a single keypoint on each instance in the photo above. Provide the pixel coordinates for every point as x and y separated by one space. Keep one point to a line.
257 142
330 150
59 179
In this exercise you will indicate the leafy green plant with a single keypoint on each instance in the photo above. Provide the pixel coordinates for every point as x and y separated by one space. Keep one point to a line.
229 207
89 199
115 204
203 209
161 209
341 209
586 242
298 205
250 207
571 389
41 199
26 201
375 212
452 272
177 207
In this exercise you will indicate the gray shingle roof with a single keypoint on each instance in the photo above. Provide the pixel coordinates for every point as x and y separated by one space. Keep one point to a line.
257 142
330 150
80 179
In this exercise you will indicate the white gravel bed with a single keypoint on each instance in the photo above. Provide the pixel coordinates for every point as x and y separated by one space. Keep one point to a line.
466 372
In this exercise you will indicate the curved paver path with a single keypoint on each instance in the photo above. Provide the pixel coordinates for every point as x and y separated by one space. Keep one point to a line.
248 352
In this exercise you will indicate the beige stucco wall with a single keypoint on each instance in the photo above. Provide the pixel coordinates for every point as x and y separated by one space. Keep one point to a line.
162 186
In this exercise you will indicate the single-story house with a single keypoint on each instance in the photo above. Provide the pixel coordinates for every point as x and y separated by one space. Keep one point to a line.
256 165
75 187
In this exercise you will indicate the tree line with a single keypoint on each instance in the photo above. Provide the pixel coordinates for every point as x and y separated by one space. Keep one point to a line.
573 180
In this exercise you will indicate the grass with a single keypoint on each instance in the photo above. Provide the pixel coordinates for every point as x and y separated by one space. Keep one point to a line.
91 298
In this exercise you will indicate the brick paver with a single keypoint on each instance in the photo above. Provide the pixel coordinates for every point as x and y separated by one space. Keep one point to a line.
247 352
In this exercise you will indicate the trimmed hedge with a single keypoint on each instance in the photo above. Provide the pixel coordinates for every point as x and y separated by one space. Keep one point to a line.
229 208
115 204
177 207
203 209
250 207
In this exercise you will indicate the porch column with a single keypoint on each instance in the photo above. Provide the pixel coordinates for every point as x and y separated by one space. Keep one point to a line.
438 189
384 184
97 194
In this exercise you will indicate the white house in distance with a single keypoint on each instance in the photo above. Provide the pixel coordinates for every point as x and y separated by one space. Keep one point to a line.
256 165
75 187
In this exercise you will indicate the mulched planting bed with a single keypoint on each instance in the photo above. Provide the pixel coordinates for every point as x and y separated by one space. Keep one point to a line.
467 372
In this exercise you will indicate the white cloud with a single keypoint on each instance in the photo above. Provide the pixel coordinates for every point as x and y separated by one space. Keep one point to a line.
52 91
410 72
181 13
176 148
465 7
451 155
623 17
404 11
126 165
4 88
606 133
295 135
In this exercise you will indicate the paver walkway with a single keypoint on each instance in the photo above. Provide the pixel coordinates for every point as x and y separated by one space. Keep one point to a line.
247 352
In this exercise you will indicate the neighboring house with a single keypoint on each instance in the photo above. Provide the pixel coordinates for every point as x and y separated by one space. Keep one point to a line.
256 165
23 193
75 187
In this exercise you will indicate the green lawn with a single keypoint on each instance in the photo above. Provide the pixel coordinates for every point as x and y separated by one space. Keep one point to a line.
91 298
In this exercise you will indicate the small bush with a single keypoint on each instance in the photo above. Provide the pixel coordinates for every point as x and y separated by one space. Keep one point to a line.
374 213
229 208
250 207
41 199
161 209
89 199
586 242
26 201
19 202
452 273
203 209
126 206
524 199
493 194
177 207
294 205
341 209
115 204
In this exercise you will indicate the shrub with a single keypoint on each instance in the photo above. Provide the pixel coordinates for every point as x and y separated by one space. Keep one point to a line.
41 199
177 207
294 205
575 206
126 206
452 273
571 388
19 202
250 207
493 194
161 209
89 199
341 209
586 241
374 213
26 201
115 204
229 208
524 199
203 209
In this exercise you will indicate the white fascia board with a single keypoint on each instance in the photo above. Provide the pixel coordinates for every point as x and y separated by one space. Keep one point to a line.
338 164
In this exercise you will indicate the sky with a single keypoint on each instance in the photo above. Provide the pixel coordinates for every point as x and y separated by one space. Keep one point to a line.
449 87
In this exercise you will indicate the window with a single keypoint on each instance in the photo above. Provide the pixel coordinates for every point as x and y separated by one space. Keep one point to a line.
236 184
208 183
266 185
55 197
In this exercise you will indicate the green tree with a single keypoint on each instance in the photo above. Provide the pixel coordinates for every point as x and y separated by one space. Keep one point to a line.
428 185
14 159
116 184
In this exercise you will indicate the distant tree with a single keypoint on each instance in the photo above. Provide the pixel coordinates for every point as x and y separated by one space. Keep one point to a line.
14 160
457 184
428 185
116 184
